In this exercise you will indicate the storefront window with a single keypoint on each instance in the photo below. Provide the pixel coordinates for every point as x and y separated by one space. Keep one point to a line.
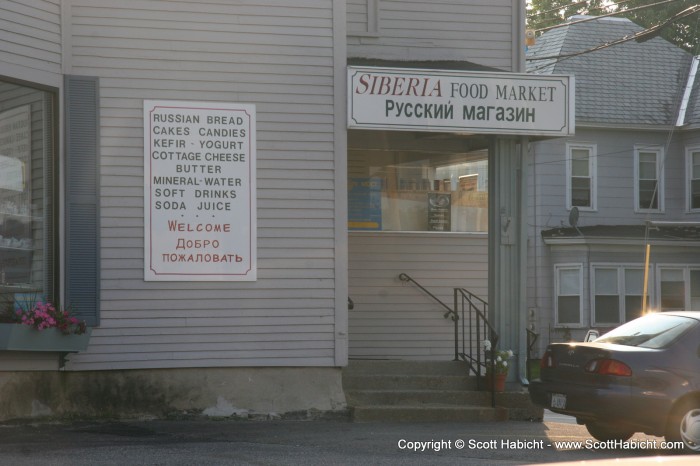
417 190
26 196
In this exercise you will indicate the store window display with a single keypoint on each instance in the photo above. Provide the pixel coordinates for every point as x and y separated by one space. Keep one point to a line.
419 189
26 195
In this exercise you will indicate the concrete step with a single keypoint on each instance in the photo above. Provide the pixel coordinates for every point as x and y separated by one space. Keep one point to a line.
417 397
414 391
427 413
401 367
409 382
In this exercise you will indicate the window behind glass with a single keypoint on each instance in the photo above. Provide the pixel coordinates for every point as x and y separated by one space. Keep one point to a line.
26 196
416 183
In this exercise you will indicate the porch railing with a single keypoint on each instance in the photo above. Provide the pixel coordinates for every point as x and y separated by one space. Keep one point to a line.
475 330
471 329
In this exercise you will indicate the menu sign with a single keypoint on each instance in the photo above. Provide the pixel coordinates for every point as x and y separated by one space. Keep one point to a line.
199 191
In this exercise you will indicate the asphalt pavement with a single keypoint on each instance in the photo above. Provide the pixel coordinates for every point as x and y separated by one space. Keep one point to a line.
338 442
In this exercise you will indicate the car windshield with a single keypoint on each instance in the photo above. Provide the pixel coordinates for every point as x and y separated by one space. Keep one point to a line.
652 331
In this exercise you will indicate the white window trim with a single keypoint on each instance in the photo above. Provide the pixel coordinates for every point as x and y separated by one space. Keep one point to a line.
660 156
689 177
621 291
578 266
592 171
373 29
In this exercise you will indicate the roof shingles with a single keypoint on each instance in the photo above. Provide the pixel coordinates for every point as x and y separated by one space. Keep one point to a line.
631 83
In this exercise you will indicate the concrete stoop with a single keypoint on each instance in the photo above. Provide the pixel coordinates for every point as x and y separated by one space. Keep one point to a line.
430 391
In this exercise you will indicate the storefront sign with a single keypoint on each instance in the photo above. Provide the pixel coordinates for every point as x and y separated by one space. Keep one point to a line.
460 101
199 190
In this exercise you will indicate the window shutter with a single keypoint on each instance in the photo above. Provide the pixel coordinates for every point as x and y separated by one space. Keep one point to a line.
82 213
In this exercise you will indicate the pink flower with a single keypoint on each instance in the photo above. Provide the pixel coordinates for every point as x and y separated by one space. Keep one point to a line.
44 315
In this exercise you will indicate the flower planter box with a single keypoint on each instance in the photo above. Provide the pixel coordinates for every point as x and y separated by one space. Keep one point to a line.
499 382
17 337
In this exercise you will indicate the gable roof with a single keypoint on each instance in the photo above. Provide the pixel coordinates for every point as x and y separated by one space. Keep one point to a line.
633 83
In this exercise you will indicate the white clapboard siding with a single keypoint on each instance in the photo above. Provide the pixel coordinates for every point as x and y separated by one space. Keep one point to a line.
478 31
358 16
277 55
30 32
395 320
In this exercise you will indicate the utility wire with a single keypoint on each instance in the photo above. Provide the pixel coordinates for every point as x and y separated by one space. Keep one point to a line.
604 16
640 36
603 7
564 7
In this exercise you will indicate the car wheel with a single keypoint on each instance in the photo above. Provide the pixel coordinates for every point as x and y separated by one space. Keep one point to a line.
684 425
605 432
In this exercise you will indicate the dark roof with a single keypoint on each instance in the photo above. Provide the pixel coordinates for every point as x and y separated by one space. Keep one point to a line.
633 83
460 65
631 232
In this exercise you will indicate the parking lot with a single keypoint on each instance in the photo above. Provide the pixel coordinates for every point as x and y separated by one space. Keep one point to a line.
193 442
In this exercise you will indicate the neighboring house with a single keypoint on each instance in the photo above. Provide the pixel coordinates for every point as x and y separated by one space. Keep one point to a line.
629 177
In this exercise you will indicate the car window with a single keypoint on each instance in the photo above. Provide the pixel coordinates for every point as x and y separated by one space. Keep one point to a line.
652 331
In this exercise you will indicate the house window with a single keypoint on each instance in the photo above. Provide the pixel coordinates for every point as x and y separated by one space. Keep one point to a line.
581 181
633 294
27 201
617 294
672 286
569 294
693 180
648 182
679 288
607 296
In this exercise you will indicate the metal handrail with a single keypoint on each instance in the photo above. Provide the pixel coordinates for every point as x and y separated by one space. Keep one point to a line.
475 326
475 323
406 278
477 309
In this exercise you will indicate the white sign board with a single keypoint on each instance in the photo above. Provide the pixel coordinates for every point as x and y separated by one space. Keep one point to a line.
460 101
199 191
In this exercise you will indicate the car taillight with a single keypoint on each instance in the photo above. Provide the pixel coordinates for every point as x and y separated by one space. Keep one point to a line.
608 367
547 360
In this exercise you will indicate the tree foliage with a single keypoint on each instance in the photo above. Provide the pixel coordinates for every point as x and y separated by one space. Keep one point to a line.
684 32
545 13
